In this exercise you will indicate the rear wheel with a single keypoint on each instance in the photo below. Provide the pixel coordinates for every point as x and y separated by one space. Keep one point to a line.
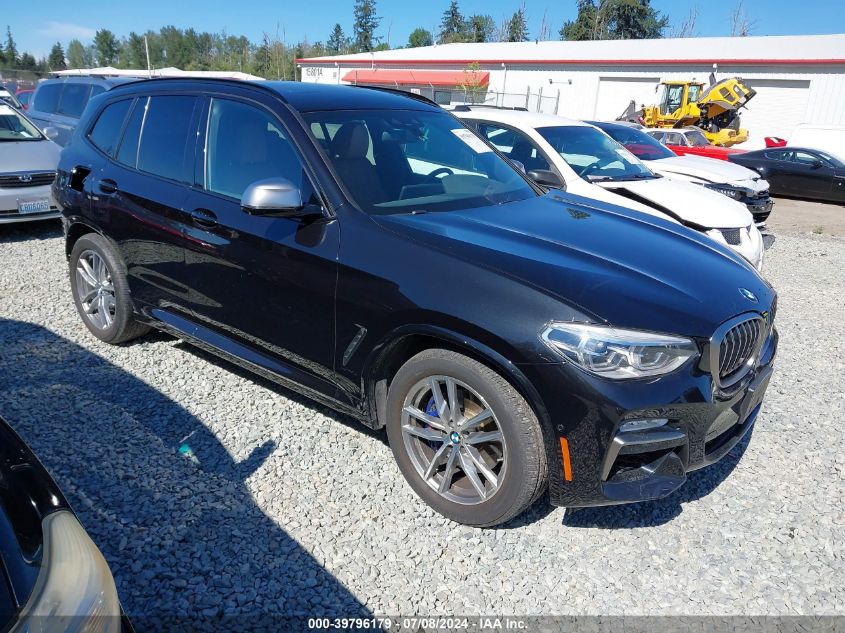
466 441
100 291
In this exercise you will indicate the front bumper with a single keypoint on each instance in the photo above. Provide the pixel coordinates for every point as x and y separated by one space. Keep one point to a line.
760 207
609 466
9 204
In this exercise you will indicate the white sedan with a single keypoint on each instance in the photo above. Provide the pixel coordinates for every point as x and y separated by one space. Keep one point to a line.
28 162
562 152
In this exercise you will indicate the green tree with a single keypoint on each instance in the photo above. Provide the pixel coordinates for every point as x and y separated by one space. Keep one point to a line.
10 52
452 25
107 47
365 25
75 54
480 28
420 37
134 52
56 59
614 20
517 30
263 58
337 42
27 62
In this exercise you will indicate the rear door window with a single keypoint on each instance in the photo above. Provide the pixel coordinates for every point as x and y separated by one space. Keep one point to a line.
166 127
106 131
47 97
515 145
74 98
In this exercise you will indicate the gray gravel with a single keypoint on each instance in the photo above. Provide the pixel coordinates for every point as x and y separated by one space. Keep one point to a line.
211 491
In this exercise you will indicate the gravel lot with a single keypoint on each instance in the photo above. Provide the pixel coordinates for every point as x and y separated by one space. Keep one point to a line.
211 491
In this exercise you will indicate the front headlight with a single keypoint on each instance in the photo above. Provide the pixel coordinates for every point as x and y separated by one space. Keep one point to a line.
75 590
618 354
730 192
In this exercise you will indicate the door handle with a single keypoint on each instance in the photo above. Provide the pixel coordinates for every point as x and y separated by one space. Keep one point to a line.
108 186
204 218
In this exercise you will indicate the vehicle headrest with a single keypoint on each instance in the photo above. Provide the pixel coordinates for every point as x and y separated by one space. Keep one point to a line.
351 141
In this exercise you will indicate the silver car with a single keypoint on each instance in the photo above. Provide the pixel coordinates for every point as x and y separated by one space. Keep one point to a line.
28 160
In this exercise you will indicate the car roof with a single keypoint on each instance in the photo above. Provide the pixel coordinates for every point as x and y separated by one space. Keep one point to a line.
519 118
304 97
88 79
613 125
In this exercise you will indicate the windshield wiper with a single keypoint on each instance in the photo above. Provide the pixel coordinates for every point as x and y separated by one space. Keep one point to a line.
600 178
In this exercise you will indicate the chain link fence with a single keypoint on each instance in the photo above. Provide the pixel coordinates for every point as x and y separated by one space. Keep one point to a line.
15 79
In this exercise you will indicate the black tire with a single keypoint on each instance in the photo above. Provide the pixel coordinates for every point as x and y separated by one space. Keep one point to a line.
526 472
123 326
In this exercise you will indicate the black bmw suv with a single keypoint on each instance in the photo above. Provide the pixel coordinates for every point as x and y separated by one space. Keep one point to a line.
363 247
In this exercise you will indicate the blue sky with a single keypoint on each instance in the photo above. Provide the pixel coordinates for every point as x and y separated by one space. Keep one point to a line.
36 25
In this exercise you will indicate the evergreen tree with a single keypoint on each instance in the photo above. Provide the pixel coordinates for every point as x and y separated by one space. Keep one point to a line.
517 27
365 25
480 28
56 59
107 47
452 25
10 52
420 37
27 62
75 54
615 19
337 42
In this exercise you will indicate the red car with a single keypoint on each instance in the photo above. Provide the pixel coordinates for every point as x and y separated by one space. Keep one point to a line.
684 141
24 96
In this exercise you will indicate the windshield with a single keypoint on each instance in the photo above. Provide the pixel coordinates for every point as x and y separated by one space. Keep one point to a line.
697 139
593 154
640 144
399 161
14 127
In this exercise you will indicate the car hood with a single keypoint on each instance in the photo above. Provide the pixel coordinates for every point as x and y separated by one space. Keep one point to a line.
710 170
29 156
614 265
688 202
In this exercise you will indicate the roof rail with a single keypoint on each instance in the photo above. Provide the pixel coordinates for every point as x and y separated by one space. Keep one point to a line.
412 95
467 107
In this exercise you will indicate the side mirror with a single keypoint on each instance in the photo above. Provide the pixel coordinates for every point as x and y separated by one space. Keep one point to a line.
547 178
51 133
273 196
518 164
817 164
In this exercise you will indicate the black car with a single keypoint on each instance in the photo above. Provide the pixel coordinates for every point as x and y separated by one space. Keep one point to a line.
798 172
52 576
366 249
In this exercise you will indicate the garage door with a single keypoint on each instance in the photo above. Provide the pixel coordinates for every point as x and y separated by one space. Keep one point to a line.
616 93
780 105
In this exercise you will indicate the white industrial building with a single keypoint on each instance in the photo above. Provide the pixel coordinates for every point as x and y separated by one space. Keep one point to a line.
798 79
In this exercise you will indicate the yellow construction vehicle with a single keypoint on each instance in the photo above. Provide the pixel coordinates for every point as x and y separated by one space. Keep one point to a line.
714 108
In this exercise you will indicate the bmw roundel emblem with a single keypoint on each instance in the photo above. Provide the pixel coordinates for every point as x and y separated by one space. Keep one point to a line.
745 292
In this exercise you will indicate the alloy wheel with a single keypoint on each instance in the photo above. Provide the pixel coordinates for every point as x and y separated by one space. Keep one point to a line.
454 440
96 290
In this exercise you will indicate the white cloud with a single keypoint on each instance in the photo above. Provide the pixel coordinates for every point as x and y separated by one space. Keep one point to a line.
63 31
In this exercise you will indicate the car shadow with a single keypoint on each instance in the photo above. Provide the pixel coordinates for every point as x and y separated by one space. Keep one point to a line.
699 484
161 496
26 231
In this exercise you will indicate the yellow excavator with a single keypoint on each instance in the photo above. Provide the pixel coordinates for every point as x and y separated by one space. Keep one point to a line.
714 108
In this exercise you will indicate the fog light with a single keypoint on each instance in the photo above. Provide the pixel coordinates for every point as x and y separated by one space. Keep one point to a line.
641 425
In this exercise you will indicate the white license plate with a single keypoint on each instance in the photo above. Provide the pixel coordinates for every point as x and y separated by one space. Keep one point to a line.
33 206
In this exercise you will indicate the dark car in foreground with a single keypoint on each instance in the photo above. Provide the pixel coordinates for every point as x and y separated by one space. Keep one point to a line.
52 576
799 172
363 247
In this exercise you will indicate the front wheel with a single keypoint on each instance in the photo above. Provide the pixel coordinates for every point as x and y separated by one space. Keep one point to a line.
466 441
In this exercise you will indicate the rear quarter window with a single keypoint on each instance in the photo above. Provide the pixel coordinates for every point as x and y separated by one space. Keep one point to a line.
74 98
106 131
47 98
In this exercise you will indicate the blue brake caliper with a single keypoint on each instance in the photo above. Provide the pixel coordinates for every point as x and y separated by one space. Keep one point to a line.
431 409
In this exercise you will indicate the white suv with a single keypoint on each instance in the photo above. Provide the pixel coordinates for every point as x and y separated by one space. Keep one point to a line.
561 152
